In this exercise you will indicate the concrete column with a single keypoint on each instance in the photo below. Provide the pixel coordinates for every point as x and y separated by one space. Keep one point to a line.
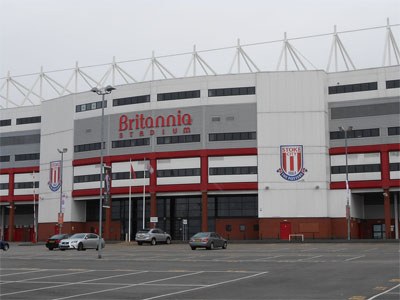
396 216
204 211
386 199
153 207
11 222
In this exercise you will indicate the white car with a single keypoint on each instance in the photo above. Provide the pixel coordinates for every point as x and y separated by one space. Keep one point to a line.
81 241
152 236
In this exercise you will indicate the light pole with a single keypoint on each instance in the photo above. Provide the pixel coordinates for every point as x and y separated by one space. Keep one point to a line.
60 216
346 131
103 91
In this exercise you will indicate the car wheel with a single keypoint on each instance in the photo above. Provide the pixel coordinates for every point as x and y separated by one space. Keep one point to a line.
80 247
193 248
51 248
62 249
168 241
211 246
153 242
6 247
140 243
225 245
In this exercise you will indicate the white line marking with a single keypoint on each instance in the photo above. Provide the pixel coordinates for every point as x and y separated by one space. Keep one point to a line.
124 287
10 274
51 287
373 297
303 259
58 275
353 258
207 286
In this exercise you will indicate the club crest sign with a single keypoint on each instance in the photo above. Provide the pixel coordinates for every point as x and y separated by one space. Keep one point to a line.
55 175
292 168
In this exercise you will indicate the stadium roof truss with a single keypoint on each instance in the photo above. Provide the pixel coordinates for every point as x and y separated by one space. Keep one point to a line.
31 89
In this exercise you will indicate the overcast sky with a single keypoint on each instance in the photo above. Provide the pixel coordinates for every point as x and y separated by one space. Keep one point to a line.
57 33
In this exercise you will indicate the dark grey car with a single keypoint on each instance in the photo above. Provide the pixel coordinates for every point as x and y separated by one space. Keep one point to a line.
152 236
208 240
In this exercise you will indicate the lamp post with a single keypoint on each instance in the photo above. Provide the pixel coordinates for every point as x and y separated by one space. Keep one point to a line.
103 91
346 131
60 216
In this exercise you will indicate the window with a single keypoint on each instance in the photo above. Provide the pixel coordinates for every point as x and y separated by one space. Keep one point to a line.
127 175
29 156
370 168
26 185
381 109
232 170
178 172
20 140
351 88
4 158
178 139
393 84
86 178
90 106
232 136
232 91
131 100
131 143
178 95
88 147
394 130
6 122
3 186
28 120
394 166
235 206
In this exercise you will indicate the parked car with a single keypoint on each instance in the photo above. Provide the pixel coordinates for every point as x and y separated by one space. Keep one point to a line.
208 240
4 245
53 241
81 241
152 236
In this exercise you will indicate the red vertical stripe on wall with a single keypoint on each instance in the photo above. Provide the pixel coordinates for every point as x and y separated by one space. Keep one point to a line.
299 162
291 163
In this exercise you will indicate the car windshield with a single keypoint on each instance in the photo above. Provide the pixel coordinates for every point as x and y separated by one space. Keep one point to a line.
146 230
57 237
201 235
78 236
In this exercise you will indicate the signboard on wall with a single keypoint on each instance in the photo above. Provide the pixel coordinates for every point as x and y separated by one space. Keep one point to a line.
291 157
55 175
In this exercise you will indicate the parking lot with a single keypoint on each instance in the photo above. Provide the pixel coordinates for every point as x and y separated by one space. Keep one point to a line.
353 271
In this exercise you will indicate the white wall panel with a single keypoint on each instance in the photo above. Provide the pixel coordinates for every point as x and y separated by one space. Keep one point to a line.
394 157
232 161
356 159
178 163
4 179
26 177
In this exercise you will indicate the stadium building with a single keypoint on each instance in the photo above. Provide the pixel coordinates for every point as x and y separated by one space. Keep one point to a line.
262 155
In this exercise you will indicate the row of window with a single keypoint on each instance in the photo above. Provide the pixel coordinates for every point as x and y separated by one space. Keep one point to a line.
361 87
21 121
90 106
233 170
170 96
178 172
20 185
20 140
394 167
20 157
232 136
352 134
370 168
127 175
28 156
88 147
131 143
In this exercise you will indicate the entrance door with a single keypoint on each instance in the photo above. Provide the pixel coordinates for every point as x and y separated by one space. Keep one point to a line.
286 229
379 231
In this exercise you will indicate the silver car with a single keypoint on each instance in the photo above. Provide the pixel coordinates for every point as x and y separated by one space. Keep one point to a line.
208 240
152 236
81 241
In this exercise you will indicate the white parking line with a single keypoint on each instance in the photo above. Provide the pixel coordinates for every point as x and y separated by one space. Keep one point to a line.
124 287
312 257
353 258
373 297
27 272
51 276
206 286
55 286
